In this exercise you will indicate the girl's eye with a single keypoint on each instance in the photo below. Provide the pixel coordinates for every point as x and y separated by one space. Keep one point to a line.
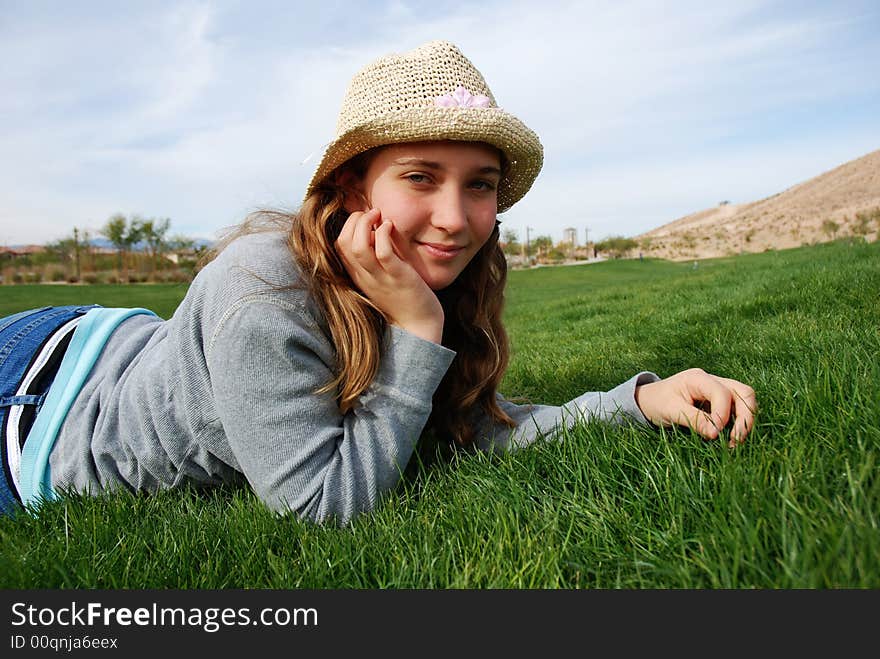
483 185
417 178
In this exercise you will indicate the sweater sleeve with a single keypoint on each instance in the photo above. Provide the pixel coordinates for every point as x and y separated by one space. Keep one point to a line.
267 360
617 406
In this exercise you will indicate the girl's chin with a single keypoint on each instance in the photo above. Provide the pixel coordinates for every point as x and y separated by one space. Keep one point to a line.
438 281
439 285
437 275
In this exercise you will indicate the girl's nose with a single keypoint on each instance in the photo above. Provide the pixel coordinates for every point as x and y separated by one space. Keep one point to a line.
450 213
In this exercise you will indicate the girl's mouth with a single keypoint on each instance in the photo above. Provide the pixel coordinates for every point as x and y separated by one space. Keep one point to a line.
441 251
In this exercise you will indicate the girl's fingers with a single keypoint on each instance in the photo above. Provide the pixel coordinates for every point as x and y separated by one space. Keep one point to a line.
344 237
702 402
745 404
698 421
346 234
344 240
384 246
702 387
729 397
362 241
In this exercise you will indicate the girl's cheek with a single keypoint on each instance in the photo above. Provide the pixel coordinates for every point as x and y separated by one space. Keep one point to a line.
487 227
402 229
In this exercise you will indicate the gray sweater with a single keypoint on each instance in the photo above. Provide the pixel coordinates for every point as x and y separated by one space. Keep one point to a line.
224 390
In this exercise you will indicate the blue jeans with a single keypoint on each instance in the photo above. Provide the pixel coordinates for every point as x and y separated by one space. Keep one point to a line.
22 336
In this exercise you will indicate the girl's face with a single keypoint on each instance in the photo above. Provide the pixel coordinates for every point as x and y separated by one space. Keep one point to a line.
442 198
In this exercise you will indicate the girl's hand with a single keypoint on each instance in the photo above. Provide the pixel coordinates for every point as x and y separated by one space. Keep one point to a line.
367 250
700 401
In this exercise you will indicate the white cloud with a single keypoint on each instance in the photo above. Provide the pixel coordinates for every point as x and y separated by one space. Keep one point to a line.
203 111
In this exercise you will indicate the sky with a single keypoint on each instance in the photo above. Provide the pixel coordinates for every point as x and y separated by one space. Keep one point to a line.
203 111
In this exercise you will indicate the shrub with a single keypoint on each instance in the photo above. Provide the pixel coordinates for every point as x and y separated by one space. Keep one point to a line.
864 219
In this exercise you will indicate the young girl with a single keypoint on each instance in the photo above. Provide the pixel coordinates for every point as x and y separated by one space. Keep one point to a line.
310 355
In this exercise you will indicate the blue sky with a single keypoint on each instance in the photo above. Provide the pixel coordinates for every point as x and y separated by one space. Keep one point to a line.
204 111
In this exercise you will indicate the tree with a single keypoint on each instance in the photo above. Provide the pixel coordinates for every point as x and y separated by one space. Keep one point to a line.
510 242
114 231
76 249
542 244
123 234
153 233
616 246
565 249
84 252
65 250
180 243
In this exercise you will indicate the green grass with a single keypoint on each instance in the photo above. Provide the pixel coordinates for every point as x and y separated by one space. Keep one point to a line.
161 298
795 507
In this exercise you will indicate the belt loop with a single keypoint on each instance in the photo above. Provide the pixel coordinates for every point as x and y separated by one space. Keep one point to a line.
28 399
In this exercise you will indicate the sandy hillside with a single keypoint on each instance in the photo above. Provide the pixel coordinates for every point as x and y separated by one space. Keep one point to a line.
847 196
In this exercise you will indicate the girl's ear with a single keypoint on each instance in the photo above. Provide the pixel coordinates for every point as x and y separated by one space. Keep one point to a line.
353 198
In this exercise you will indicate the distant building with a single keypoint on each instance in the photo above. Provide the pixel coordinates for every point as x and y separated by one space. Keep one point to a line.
20 250
569 236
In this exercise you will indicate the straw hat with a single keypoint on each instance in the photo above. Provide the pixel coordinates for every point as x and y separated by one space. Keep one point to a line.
430 93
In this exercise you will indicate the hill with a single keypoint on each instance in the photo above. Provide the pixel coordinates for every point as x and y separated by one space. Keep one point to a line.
842 202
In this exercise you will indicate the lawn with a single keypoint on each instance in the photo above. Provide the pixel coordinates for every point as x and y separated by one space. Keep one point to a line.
600 507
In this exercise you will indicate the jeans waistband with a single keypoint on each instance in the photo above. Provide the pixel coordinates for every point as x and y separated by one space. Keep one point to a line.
22 338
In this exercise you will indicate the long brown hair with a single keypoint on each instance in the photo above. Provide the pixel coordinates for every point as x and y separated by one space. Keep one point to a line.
472 307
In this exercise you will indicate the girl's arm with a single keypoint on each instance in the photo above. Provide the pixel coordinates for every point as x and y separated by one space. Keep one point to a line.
533 421
692 398
266 361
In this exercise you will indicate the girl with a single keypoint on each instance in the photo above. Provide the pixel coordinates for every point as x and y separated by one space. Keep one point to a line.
310 355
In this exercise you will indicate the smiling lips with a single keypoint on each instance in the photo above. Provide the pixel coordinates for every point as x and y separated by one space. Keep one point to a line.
441 251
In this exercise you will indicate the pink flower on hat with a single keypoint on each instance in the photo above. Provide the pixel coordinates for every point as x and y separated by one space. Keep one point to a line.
462 98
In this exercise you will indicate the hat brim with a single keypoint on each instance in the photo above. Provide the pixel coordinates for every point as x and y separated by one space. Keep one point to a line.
520 144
